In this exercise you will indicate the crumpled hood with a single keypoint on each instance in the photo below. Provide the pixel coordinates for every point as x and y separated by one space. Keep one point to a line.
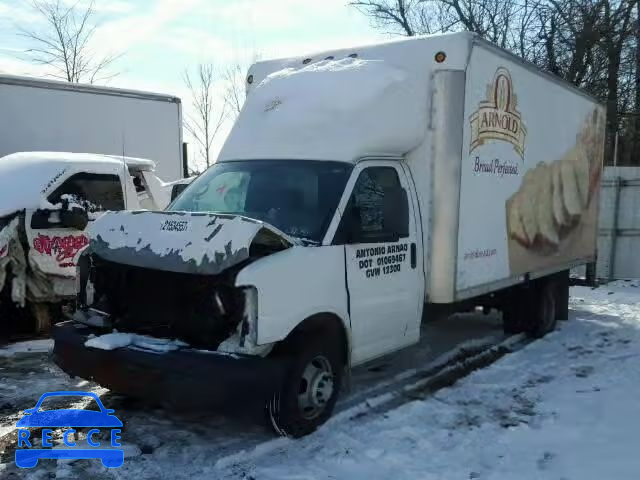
183 242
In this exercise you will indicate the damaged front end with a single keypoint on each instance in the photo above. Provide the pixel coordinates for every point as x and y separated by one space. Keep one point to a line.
172 275
201 310
167 276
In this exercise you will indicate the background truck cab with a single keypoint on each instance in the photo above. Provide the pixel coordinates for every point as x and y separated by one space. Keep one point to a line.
47 199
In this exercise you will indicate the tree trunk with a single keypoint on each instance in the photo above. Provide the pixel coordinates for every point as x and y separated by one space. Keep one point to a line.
636 124
612 105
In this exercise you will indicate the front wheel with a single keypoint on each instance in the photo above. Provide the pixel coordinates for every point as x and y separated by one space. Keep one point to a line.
310 389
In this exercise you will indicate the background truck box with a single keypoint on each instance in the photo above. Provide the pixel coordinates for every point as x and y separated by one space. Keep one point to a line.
43 115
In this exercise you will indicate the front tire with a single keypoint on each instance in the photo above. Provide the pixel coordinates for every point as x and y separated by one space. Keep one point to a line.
310 389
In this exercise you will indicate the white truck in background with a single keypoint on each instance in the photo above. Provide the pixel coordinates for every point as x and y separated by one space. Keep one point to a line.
357 187
47 199
52 116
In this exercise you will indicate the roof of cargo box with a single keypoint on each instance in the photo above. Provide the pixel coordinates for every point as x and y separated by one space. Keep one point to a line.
343 104
84 88
26 178
349 103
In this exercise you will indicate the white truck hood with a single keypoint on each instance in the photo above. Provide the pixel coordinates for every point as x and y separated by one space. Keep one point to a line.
182 242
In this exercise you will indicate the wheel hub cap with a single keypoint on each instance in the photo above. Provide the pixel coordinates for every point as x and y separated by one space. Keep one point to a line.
316 387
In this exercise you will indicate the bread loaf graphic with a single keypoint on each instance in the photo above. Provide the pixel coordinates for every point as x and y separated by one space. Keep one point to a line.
553 196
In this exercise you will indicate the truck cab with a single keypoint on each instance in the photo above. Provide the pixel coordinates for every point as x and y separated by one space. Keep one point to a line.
48 200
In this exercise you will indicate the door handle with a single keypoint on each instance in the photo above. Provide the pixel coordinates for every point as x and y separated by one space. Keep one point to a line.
413 255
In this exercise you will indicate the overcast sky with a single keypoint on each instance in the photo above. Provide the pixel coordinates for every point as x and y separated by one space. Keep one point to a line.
160 38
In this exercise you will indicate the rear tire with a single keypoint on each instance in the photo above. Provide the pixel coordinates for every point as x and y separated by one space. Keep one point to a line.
533 308
516 310
310 388
544 315
562 295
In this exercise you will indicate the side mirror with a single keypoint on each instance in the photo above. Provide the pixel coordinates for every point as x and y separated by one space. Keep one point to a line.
177 189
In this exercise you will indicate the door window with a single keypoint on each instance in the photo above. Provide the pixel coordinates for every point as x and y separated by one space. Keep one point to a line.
377 210
95 192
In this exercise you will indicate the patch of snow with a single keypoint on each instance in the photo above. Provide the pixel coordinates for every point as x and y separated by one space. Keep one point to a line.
111 341
197 238
232 345
29 346
331 109
562 407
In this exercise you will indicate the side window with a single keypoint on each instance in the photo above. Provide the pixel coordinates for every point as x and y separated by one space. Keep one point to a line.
378 209
96 192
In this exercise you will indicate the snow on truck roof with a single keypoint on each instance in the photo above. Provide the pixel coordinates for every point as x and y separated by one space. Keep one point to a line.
27 177
342 104
349 103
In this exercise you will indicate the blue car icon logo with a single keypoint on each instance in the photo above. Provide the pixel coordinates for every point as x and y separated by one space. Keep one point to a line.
27 457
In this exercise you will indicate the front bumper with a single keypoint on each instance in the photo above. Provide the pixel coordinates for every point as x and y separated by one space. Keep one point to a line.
182 378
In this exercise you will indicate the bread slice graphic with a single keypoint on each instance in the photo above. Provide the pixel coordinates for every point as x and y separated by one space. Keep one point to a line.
527 205
559 214
516 229
581 168
544 205
570 190
554 196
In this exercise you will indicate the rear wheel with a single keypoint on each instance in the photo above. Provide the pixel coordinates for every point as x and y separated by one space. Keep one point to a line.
544 318
532 308
310 389
562 295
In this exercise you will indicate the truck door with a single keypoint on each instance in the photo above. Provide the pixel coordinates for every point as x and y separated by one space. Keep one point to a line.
380 234
54 247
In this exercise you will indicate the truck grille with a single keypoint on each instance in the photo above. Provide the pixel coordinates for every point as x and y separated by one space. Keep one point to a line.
201 310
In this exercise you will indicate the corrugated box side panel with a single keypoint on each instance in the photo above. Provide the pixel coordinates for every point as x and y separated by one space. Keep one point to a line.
619 224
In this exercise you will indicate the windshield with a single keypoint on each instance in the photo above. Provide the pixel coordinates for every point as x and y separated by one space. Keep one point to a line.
296 196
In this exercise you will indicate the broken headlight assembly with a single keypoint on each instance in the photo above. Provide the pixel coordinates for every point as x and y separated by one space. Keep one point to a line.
249 325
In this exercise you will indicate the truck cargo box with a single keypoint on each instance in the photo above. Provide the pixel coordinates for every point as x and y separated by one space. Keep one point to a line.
505 158
46 115
517 158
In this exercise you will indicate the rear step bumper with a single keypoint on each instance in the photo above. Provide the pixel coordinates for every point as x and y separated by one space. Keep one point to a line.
182 378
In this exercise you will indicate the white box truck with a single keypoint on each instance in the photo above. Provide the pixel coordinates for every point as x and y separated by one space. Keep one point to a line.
52 116
356 187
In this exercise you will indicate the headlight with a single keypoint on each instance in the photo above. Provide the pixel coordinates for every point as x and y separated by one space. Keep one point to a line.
249 337
84 287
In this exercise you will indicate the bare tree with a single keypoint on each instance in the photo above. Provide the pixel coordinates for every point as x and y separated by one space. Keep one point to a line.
590 43
206 120
234 91
64 42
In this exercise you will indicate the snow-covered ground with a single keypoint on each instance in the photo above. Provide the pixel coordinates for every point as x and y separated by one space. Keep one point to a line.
564 407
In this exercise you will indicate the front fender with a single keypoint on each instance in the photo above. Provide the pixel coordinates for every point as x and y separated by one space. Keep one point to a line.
295 284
